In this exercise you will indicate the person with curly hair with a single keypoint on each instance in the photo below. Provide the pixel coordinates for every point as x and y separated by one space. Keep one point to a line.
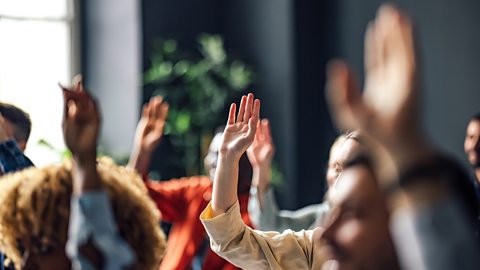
81 214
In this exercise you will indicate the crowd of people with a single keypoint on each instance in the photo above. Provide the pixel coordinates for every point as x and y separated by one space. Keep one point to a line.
394 200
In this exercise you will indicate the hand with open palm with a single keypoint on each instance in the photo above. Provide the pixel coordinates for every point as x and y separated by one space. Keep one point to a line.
150 127
260 154
240 132
237 137
388 110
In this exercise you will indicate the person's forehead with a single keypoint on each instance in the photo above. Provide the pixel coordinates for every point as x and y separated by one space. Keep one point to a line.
473 127
355 185
348 149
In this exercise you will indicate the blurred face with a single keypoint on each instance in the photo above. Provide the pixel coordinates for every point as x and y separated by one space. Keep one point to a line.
357 235
44 255
211 159
244 166
339 154
10 131
472 143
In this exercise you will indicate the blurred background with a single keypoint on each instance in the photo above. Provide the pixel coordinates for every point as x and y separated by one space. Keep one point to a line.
202 55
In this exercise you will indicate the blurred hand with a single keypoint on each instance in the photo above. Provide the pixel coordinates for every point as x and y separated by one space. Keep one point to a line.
388 108
81 121
150 127
388 111
240 133
260 154
262 149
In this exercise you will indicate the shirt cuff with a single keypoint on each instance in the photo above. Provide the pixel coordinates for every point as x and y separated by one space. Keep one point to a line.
91 219
224 227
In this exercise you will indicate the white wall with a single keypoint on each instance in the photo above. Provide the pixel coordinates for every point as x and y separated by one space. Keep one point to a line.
113 68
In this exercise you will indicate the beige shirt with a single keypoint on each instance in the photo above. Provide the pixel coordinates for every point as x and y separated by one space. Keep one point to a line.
254 250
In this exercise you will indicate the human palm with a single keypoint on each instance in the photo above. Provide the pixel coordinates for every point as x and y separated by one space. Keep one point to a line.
388 108
261 152
150 126
240 133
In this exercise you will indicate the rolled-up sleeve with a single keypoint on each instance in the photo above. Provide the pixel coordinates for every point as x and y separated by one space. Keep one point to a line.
92 220
269 217
251 249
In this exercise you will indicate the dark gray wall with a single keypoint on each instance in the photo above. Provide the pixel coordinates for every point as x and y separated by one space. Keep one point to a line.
450 49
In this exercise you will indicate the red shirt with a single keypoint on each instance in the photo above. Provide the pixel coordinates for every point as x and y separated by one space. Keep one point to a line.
181 201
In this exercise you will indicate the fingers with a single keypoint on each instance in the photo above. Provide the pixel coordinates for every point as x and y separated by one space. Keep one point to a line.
343 95
157 102
241 110
248 108
254 117
266 130
146 110
231 114
164 111
370 47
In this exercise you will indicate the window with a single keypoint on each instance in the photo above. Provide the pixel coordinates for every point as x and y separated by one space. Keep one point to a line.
36 53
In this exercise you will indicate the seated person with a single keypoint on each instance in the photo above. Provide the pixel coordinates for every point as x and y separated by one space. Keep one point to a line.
182 200
101 209
262 205
16 127
401 183
17 124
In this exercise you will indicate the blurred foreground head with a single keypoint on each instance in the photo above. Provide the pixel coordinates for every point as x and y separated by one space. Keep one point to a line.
35 213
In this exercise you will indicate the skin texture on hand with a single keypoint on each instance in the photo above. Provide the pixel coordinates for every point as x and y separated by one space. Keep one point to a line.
148 134
237 137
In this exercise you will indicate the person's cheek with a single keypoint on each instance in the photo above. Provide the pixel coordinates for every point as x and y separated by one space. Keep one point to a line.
349 235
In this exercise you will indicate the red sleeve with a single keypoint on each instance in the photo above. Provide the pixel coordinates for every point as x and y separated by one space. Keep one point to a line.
169 196
172 196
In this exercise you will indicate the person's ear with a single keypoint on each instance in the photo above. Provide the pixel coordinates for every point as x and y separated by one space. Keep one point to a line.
22 145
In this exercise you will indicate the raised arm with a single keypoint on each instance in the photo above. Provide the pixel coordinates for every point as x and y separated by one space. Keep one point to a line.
148 134
229 236
415 176
237 137
260 154
81 123
93 238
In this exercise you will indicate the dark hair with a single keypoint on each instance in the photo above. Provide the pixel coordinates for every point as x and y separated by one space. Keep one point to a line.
19 118
475 117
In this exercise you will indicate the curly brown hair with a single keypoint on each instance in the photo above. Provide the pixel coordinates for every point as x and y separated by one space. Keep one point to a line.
36 205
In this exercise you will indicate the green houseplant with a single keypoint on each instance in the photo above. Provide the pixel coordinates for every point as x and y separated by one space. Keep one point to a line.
197 84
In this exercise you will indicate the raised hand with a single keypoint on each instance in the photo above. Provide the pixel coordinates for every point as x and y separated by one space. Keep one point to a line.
388 109
81 121
262 149
150 127
240 132
148 135
237 137
260 154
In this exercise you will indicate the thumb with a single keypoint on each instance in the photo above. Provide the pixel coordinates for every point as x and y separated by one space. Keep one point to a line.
344 99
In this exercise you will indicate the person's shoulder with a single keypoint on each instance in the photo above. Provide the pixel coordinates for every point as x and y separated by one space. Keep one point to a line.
197 181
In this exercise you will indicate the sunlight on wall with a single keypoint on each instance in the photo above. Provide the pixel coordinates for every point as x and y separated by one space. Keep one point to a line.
35 53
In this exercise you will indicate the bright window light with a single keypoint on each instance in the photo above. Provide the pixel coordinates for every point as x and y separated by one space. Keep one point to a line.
35 55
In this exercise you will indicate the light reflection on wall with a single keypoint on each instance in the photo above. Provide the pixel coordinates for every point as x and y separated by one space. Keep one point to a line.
35 55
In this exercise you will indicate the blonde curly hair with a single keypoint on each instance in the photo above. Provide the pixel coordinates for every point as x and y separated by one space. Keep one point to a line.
36 205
